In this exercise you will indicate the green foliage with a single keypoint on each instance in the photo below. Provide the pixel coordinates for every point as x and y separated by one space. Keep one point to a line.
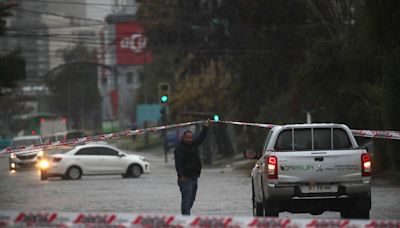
206 91
12 69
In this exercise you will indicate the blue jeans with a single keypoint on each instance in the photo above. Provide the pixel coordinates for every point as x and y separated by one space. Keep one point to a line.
188 189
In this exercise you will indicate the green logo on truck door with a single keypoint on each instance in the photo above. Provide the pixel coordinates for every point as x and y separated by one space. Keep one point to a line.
297 167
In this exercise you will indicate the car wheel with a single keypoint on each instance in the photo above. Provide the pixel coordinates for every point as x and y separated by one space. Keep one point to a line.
74 173
258 208
134 171
43 175
362 214
270 209
357 208
355 214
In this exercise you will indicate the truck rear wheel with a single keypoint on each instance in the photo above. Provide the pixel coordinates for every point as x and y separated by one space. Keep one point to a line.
355 214
258 208
363 214
357 208
270 209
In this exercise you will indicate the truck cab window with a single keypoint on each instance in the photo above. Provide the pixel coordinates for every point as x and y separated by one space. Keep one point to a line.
284 141
322 138
302 139
340 139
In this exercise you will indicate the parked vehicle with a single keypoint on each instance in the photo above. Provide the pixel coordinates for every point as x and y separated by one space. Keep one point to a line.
311 168
42 124
64 136
91 159
17 160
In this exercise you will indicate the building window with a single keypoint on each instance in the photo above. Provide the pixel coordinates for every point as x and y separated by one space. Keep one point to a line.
129 78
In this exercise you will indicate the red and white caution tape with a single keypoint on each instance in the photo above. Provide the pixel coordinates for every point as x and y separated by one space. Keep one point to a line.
67 219
248 124
49 145
33 148
377 134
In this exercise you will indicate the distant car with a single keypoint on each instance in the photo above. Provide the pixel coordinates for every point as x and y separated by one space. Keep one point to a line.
91 159
20 159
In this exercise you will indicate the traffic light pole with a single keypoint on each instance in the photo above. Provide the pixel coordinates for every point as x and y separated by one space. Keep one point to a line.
164 120
163 94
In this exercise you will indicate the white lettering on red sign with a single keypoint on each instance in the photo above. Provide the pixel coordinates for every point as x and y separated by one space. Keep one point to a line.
136 43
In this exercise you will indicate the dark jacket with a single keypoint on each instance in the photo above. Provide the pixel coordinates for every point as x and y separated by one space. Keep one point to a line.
187 159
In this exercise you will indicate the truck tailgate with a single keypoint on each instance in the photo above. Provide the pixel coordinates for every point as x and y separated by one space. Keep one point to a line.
319 166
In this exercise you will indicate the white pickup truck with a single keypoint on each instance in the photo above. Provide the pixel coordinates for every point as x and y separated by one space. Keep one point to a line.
311 168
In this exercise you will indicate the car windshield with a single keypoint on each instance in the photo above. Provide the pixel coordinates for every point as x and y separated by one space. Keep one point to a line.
25 142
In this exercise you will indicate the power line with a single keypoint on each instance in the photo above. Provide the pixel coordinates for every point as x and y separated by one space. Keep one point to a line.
59 15
71 3
53 27
95 7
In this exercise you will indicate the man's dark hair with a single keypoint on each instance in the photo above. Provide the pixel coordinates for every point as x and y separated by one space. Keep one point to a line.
187 131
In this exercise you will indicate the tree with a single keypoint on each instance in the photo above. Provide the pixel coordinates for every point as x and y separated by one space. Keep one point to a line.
335 58
12 69
382 39
206 91
74 89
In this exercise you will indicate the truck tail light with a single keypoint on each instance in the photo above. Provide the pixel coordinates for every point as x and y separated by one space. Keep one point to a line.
271 167
57 159
365 165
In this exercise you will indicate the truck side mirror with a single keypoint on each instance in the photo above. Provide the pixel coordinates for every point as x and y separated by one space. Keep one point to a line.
251 154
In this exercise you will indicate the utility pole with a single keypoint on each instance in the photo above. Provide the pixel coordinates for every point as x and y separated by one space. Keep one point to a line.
163 93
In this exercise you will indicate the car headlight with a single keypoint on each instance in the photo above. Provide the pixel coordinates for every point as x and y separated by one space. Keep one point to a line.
44 164
143 159
12 156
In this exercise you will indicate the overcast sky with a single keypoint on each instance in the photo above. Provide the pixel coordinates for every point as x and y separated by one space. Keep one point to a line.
98 12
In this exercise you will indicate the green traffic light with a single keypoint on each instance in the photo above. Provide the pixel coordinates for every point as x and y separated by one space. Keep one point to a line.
216 118
164 99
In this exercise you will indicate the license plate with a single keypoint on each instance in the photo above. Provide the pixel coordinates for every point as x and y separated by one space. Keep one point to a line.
318 188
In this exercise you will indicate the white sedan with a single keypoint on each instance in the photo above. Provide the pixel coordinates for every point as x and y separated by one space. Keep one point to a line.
91 159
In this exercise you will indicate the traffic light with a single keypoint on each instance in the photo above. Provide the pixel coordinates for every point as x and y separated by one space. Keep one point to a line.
163 117
216 117
164 99
163 92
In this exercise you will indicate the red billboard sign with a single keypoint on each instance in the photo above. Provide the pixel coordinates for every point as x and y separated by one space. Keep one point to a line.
131 44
